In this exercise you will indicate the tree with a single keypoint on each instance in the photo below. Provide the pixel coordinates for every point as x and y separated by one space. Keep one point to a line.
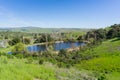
80 38
44 38
96 35
26 41
90 36
100 34
62 53
14 41
19 48
114 31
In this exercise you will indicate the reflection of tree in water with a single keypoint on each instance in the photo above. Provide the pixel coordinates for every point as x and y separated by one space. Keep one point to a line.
72 45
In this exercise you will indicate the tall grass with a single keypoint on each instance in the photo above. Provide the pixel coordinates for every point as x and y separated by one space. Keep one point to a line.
20 69
17 69
107 60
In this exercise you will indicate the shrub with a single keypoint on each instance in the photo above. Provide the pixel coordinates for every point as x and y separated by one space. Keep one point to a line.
41 61
19 49
68 65
60 64
102 77
10 56
20 56
26 41
29 60
2 53
62 53
14 41
4 59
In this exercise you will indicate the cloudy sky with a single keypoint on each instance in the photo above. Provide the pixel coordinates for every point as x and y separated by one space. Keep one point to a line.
59 13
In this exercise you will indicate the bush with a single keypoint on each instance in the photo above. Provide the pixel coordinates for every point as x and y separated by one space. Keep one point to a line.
62 53
26 41
19 48
41 61
14 41
2 53
29 60
10 56
20 56
4 59
102 77
68 65
60 64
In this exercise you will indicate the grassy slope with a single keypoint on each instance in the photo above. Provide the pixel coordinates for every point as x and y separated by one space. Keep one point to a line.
20 69
108 60
16 69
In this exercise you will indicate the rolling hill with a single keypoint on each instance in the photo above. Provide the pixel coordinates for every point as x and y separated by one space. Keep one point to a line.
41 30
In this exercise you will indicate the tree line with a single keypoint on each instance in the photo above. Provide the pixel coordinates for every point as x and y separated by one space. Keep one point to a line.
102 34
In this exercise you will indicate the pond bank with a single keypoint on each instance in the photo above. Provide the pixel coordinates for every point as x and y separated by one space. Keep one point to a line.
43 43
71 49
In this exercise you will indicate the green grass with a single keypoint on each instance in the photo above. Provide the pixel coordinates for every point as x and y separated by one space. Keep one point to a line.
113 76
17 69
20 69
109 47
4 50
102 64
107 60
75 34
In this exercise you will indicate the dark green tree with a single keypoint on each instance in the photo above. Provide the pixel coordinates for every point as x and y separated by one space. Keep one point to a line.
14 41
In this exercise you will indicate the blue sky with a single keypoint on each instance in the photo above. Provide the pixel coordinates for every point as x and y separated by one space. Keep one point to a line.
59 13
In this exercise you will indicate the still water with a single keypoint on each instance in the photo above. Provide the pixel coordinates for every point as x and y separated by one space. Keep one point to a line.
56 46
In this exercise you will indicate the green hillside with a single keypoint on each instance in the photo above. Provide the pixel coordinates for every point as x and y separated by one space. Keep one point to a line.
42 30
97 60
29 29
12 68
107 60
106 65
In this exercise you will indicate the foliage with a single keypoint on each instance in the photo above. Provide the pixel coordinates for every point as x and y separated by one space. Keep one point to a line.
62 53
114 31
103 58
41 61
44 38
101 34
96 35
19 48
26 41
99 56
18 69
14 41
29 60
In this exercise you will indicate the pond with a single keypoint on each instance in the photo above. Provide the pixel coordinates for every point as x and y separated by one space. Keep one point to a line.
56 46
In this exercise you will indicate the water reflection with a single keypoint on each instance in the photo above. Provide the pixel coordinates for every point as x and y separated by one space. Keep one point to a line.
56 46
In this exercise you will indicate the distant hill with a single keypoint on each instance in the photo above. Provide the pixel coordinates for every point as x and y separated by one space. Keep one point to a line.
41 30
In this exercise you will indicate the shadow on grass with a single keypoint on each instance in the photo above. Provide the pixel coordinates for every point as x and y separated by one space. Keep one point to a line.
117 39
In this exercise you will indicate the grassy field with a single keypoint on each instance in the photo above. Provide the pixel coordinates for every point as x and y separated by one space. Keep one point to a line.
23 69
104 66
15 69
107 60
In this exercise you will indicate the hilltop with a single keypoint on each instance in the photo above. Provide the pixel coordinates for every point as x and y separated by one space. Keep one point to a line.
42 30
